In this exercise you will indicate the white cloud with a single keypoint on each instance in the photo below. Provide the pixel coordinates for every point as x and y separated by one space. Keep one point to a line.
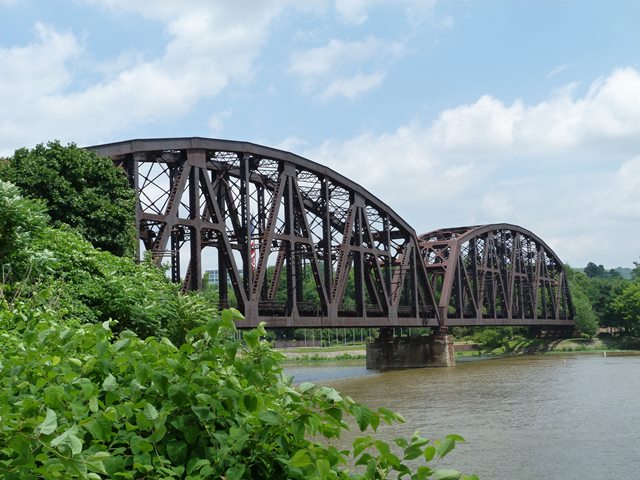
352 87
528 164
487 124
498 205
38 68
127 60
623 192
559 69
31 73
53 88
336 69
609 111
291 144
209 46
337 54
357 11
216 120
353 11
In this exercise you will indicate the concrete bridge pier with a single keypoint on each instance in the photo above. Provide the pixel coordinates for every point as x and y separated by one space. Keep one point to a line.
388 353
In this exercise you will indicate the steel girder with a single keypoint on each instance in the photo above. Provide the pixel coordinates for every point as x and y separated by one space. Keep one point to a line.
267 218
498 274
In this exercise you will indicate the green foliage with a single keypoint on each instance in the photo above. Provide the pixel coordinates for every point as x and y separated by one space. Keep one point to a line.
635 273
598 271
627 306
492 338
87 403
91 285
99 286
79 189
600 290
585 318
20 220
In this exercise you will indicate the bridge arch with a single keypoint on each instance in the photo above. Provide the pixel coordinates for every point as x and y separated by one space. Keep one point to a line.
295 243
497 274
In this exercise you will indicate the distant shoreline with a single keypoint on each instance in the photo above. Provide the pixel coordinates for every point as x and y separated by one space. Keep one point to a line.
355 353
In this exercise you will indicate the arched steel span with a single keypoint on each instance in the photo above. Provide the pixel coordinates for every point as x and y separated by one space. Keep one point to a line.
268 219
498 274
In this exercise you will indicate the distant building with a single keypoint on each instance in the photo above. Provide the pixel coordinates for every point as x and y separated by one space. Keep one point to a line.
212 277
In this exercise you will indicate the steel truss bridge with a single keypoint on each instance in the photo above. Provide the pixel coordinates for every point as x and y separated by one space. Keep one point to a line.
296 244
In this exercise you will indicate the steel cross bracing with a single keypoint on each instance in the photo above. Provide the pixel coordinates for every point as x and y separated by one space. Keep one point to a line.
497 274
295 244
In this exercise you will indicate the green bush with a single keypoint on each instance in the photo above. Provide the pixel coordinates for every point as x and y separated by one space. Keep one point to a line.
21 221
91 285
492 338
86 403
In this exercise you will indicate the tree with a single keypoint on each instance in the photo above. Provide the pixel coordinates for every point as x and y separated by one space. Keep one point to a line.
636 270
585 318
600 291
592 270
79 189
627 306
492 338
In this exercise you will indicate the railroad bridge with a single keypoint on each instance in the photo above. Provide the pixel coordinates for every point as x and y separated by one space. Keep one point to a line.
296 244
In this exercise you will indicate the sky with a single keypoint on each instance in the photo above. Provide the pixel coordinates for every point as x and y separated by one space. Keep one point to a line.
452 112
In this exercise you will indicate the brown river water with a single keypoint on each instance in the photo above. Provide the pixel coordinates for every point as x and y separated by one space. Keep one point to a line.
524 418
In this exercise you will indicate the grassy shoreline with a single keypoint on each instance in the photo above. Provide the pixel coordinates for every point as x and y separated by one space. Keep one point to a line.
572 345
351 353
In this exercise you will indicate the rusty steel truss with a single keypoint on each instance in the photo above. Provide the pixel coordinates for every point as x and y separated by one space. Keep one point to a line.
497 274
295 244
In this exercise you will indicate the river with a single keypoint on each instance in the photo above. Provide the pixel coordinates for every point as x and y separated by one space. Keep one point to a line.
534 417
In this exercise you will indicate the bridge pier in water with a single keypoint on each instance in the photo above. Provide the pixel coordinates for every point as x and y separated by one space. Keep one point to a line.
388 353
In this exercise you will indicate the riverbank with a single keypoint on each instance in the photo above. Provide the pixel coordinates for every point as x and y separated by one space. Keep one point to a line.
569 345
535 346
320 354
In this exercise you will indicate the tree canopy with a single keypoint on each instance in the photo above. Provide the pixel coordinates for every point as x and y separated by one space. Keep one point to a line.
79 189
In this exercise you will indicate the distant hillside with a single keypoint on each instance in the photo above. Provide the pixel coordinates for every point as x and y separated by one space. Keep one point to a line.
625 272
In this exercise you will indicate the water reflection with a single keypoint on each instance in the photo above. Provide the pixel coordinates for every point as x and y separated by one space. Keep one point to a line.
325 373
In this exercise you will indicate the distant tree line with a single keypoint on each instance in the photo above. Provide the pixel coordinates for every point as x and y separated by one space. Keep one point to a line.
605 299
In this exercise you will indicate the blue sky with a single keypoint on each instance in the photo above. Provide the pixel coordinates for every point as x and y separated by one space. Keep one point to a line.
452 112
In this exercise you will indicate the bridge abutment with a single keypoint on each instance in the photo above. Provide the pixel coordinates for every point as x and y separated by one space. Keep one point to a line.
388 353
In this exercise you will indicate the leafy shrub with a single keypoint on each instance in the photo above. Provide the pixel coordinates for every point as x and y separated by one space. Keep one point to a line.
21 219
87 403
92 285
492 338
